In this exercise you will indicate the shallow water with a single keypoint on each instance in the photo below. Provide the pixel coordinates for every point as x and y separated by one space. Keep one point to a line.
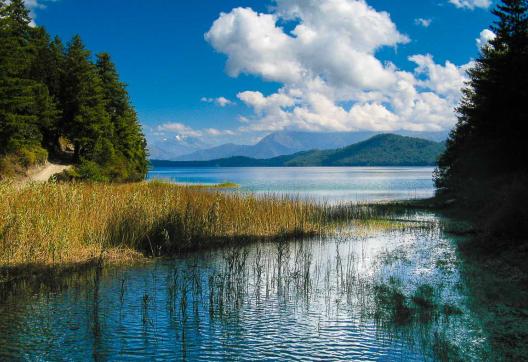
332 184
314 299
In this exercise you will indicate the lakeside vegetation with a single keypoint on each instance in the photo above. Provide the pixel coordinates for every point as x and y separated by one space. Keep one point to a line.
484 170
57 102
47 226
50 224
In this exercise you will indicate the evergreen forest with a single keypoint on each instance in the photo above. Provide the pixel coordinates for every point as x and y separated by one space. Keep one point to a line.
58 102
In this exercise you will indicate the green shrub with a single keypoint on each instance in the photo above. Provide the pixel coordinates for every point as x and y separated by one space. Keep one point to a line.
16 163
31 156
89 170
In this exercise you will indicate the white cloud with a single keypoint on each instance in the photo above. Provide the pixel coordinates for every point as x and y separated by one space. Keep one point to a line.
182 132
220 101
261 103
330 39
218 132
485 37
180 129
445 80
471 4
423 22
255 45
330 74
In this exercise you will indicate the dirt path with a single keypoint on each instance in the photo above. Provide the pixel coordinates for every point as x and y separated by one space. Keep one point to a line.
44 173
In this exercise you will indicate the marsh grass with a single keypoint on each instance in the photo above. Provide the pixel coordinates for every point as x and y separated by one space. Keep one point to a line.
49 224
60 223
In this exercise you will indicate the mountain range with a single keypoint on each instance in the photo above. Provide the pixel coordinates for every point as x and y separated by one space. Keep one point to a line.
275 144
380 150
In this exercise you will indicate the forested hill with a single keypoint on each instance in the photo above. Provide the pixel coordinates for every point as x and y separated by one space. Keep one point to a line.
381 150
56 101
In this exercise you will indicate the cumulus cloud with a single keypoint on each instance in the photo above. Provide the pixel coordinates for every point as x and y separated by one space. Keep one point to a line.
255 44
220 101
331 76
445 80
423 22
485 37
471 4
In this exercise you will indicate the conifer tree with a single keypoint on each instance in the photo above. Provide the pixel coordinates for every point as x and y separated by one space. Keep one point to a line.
85 120
129 141
25 104
487 143
46 68
47 92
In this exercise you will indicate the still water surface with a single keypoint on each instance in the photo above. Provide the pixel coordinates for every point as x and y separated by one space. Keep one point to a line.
332 184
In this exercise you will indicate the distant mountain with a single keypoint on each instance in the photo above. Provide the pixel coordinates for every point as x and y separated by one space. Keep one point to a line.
172 148
275 144
380 150
291 142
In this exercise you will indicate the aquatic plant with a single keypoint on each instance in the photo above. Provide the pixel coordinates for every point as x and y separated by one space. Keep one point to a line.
55 223
60 223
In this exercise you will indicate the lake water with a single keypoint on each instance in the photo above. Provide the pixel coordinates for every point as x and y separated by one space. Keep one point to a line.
375 291
349 298
332 184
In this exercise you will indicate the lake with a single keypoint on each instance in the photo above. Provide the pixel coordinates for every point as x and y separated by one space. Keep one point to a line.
336 298
332 184
378 290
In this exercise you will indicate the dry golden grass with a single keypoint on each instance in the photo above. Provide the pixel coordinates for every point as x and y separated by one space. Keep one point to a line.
51 224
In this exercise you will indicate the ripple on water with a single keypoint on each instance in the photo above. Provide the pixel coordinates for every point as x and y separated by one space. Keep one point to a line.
319 305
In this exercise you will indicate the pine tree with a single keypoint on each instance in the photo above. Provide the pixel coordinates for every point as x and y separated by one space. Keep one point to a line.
46 69
129 141
85 120
25 105
47 93
487 143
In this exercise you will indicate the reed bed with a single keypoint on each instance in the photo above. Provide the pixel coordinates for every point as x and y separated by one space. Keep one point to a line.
64 223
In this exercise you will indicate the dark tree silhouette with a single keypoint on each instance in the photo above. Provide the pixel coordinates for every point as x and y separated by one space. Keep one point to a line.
487 141
485 166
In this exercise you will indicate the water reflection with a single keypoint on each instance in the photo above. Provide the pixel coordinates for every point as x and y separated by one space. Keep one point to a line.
378 291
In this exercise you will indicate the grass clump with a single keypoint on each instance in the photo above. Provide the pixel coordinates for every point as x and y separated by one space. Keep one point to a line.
74 222
223 185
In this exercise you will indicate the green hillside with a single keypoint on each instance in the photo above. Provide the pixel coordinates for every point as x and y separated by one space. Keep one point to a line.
381 150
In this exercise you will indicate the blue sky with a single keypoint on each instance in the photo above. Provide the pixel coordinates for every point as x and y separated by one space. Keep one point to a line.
319 65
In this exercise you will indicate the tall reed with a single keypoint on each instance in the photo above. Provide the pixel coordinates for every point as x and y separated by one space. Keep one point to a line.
69 223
